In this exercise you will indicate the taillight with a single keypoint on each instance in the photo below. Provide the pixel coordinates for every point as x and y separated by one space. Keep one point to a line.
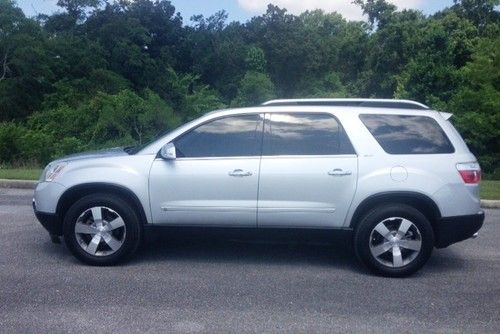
470 172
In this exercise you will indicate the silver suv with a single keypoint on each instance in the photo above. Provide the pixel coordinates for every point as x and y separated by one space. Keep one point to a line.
394 176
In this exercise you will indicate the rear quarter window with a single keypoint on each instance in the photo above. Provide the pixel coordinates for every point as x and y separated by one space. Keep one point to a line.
406 134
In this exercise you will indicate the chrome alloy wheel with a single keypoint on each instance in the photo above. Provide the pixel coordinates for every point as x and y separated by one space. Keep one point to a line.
100 231
395 242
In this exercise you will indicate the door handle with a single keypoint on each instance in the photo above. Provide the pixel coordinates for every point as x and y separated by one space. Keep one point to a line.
239 173
339 172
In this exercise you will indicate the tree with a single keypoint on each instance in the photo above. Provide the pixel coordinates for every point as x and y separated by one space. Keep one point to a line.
479 12
25 72
105 73
255 59
389 50
126 118
442 47
284 40
76 8
217 53
477 102
379 12
255 88
188 96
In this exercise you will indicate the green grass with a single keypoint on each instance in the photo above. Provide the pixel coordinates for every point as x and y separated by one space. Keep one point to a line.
20 173
490 189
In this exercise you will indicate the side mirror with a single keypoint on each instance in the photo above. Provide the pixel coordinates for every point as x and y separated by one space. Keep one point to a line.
167 152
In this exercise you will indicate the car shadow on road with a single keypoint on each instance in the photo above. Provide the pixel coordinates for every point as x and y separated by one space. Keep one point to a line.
263 248
448 259
245 247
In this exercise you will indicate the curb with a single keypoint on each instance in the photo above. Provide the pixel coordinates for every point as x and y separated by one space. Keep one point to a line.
18 184
23 184
490 204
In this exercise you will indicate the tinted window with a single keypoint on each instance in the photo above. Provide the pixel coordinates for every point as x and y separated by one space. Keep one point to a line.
305 134
401 134
224 137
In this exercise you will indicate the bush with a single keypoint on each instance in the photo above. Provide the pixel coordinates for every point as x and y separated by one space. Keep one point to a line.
36 146
10 136
255 88
127 118
490 166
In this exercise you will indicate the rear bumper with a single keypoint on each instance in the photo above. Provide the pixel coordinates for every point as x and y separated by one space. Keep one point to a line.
50 221
450 230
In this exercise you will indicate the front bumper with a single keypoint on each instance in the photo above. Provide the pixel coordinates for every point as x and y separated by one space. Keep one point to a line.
450 230
50 221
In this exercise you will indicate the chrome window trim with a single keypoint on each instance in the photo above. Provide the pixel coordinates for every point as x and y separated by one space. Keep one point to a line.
304 156
214 158
266 157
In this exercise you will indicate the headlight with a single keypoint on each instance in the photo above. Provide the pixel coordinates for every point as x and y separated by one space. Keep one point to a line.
52 171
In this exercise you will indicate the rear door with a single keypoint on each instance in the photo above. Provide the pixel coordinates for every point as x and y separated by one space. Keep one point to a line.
308 171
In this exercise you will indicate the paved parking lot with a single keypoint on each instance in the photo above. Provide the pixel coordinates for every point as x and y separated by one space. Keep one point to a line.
223 284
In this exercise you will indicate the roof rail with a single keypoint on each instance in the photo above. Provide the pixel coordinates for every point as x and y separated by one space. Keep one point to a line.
373 103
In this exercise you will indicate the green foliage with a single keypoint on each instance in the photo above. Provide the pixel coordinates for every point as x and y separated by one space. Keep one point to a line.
101 73
76 8
126 118
444 46
105 120
479 12
378 11
10 133
73 92
36 146
199 101
22 173
476 102
25 71
328 86
189 98
490 189
255 88
256 60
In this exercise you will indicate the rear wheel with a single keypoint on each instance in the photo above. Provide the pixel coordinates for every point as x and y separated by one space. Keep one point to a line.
102 229
394 240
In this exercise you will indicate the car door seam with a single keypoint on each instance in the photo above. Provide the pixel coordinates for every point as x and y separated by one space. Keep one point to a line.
260 164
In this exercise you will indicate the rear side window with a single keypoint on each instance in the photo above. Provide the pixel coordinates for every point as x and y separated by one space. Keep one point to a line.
404 134
304 134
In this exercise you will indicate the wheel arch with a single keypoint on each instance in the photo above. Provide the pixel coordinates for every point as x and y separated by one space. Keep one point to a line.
74 193
419 201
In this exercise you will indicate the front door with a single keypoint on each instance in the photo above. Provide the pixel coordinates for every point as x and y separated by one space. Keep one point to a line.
214 179
308 171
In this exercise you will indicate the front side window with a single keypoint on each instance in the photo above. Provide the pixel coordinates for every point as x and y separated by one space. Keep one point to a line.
406 134
231 136
305 134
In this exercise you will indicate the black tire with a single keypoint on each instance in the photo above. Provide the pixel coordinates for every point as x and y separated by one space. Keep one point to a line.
363 235
131 239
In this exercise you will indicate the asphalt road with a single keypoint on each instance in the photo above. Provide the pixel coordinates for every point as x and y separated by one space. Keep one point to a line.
223 284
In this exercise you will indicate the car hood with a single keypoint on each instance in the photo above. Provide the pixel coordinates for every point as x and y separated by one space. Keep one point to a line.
110 152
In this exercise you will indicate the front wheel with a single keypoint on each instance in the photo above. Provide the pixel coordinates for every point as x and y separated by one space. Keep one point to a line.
101 229
394 240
